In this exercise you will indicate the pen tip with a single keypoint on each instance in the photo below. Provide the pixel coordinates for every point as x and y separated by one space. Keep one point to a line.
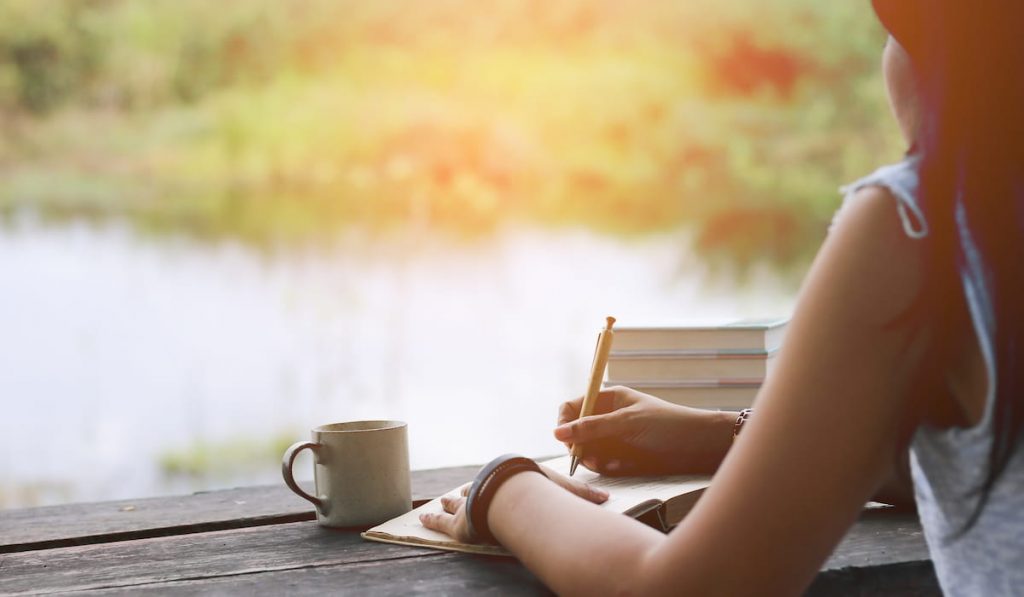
572 465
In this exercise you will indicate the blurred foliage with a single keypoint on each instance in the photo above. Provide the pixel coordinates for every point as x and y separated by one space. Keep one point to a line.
34 493
225 457
287 121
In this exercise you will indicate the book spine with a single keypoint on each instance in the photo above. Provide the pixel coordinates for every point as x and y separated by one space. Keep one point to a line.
665 368
720 397
696 353
708 383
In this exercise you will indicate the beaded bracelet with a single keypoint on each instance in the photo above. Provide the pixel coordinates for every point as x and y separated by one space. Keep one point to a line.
485 485
740 421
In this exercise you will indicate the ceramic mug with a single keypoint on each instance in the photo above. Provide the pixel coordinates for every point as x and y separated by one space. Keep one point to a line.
361 470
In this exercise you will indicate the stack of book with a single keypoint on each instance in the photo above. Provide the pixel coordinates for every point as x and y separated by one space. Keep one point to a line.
706 366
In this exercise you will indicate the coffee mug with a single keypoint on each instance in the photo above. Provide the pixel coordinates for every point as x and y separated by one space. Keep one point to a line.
361 472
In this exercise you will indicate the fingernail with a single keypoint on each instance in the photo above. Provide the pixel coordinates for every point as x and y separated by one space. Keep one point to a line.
599 492
563 432
614 465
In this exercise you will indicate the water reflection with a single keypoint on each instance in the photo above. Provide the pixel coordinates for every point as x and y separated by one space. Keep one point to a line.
130 367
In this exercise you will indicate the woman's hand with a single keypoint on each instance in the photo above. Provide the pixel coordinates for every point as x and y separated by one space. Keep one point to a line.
452 521
632 433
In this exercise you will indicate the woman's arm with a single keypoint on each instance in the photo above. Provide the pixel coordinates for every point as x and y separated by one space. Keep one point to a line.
574 546
828 424
638 434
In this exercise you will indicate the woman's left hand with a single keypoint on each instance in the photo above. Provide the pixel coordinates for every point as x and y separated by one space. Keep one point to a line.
452 521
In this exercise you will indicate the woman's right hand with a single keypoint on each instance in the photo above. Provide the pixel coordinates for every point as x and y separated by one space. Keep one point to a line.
632 433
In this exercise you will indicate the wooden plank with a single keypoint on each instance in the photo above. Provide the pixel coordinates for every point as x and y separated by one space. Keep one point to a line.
882 536
459 574
83 524
447 574
883 549
909 579
191 556
462 575
456 574
883 554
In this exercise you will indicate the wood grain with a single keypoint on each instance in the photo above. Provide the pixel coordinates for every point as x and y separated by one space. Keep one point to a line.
262 541
883 550
884 554
457 574
192 556
913 579
122 520
881 537
447 574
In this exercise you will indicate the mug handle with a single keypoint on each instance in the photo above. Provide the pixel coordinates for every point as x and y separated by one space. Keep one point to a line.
286 471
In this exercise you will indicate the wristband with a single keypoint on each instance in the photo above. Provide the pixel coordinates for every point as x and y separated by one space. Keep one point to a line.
485 485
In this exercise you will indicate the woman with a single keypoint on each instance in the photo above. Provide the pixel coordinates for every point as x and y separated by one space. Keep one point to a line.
907 337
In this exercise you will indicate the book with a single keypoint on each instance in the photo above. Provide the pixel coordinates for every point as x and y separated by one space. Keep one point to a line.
658 501
710 394
666 365
743 334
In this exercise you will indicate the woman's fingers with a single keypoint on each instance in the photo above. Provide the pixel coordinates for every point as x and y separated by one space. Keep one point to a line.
452 521
451 504
584 490
440 522
604 465
589 492
592 463
607 400
569 411
618 467
591 428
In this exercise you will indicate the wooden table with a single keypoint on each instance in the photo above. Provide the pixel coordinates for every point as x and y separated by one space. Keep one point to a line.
263 541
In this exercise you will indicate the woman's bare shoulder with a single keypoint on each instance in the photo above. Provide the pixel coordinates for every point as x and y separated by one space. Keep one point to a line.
871 257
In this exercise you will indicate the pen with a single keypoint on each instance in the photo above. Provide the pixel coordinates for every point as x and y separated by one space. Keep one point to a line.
604 346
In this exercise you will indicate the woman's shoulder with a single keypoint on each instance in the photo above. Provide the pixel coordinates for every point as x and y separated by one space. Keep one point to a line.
869 244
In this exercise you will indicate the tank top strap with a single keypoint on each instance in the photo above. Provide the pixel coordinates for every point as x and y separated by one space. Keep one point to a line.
902 181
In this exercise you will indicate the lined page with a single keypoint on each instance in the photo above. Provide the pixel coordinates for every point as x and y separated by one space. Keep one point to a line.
626 492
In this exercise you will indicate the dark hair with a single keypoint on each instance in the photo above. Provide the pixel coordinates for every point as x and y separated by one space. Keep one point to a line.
968 58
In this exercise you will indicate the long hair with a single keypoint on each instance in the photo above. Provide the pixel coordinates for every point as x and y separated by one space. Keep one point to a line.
968 58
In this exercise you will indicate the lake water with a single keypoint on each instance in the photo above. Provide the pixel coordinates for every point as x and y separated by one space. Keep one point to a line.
120 354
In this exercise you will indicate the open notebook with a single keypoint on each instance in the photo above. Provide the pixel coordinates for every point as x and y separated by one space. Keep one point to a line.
659 501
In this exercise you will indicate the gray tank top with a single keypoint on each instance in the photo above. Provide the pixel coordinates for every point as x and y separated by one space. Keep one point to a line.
948 465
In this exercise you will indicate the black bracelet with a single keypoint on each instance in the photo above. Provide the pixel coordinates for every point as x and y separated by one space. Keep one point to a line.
486 484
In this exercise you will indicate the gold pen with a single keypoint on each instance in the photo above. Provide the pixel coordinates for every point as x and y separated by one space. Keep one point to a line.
604 346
